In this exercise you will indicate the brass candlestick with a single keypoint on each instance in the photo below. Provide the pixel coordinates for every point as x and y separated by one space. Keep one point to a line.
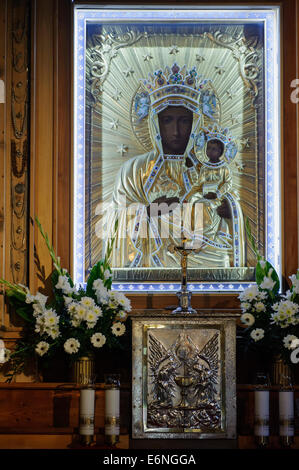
184 295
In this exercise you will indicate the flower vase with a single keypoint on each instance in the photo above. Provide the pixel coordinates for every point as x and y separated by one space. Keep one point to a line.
83 370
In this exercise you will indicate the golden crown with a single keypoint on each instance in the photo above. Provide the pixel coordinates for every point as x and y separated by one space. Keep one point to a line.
214 131
174 81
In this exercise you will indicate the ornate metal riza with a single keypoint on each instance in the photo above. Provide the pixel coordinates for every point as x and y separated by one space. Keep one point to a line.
231 56
184 376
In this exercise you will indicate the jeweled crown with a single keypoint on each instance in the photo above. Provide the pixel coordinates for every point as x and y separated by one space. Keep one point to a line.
216 132
174 81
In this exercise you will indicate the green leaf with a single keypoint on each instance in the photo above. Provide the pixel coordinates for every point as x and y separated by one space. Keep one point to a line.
23 312
16 295
261 272
95 273
251 239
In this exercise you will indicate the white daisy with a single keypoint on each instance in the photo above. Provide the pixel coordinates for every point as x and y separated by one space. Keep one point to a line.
247 319
260 307
71 346
245 306
81 312
91 316
87 302
250 293
98 340
54 332
257 334
122 315
51 318
42 348
118 329
98 311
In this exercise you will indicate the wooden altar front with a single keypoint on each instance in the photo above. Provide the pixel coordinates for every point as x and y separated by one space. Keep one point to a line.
46 416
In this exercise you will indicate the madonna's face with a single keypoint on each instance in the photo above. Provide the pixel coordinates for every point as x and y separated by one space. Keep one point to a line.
175 124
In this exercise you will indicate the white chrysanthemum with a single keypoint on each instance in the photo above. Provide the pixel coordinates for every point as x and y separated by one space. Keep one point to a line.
71 346
118 329
286 306
257 334
72 308
245 306
262 295
288 341
98 311
50 318
295 343
75 322
87 302
42 348
91 317
53 332
295 283
81 312
112 305
249 294
98 340
122 300
122 315
247 319
260 307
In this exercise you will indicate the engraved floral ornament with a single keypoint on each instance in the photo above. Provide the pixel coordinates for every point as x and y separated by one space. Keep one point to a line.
76 322
271 318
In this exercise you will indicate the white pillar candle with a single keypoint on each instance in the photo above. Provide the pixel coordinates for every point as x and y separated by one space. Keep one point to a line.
286 413
112 399
261 413
87 405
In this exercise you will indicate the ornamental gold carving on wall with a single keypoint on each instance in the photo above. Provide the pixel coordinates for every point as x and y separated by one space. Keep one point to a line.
20 116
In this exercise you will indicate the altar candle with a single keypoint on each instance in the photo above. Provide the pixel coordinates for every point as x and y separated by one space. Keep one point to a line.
286 413
87 407
112 400
261 413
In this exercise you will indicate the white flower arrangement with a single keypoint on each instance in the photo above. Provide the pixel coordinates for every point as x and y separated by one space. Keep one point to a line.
271 319
79 321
